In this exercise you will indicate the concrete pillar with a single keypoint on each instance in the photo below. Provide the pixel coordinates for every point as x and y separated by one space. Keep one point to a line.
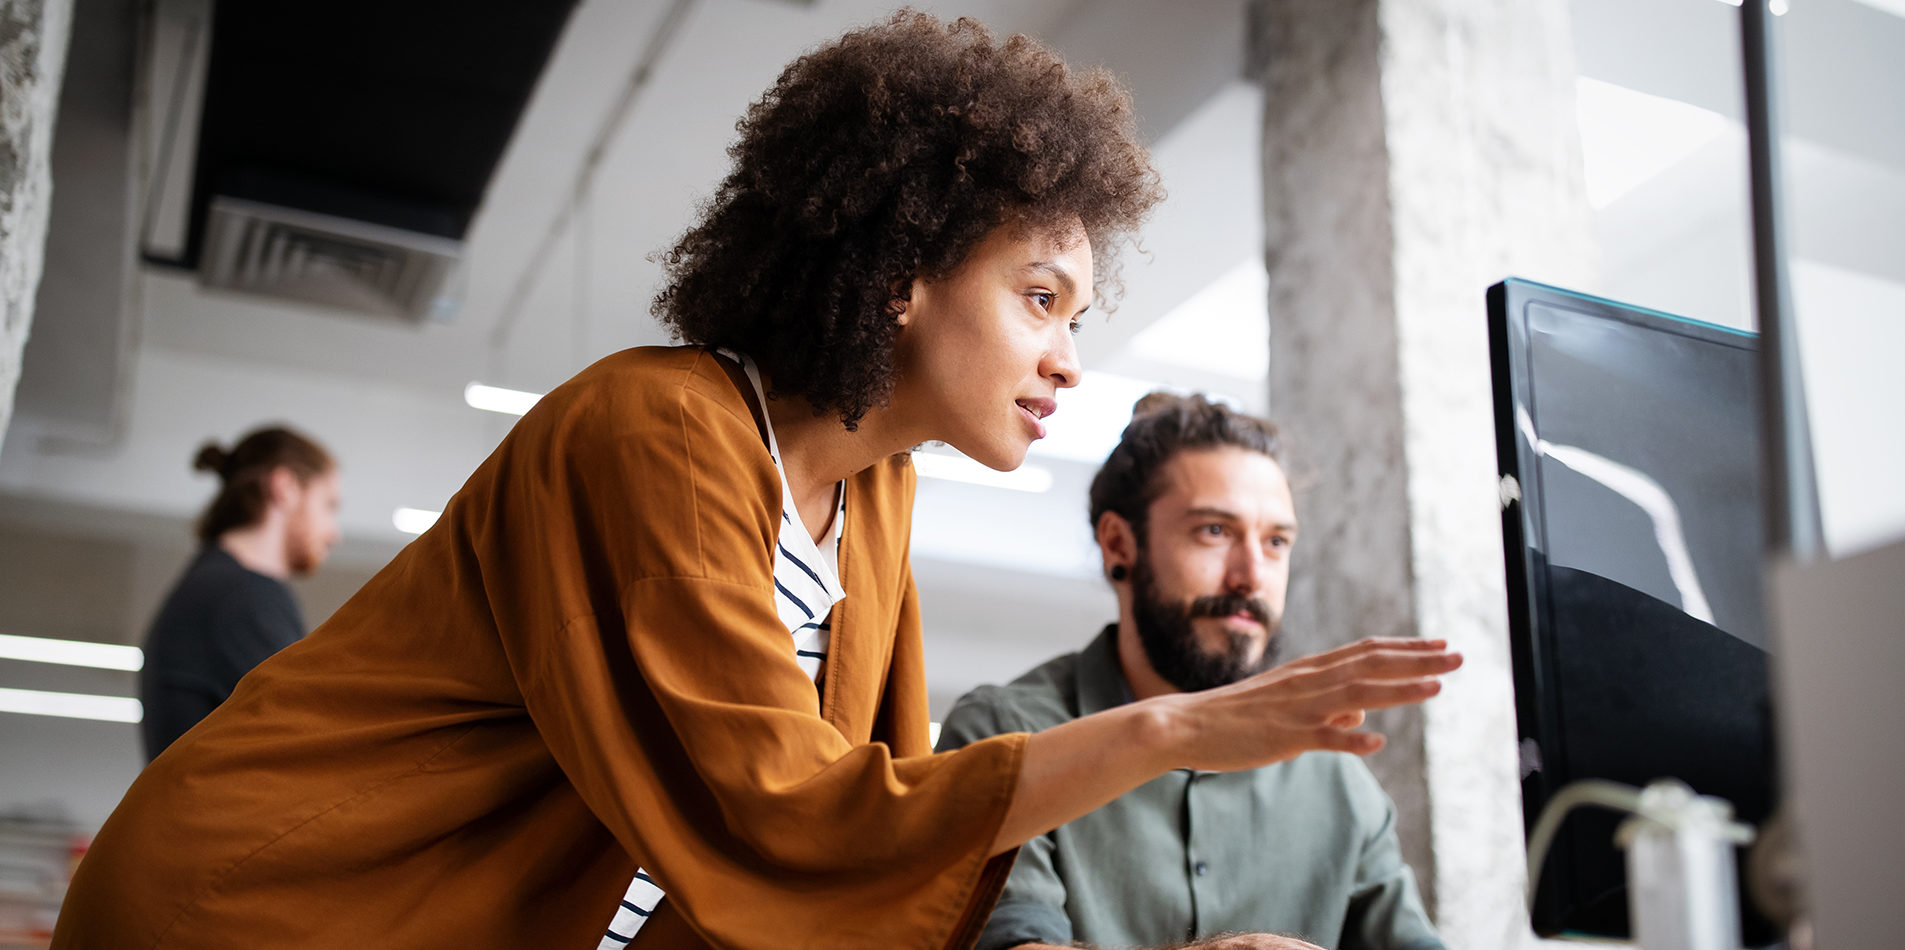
33 37
1415 151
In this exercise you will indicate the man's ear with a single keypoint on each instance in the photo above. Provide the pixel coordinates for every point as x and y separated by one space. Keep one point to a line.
1117 543
283 487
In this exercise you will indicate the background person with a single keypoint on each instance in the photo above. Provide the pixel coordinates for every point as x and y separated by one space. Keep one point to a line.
275 516
1196 525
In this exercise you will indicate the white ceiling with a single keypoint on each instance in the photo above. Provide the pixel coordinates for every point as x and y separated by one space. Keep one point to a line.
1006 576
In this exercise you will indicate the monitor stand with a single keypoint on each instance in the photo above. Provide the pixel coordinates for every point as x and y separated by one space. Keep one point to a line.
1682 889
1682 893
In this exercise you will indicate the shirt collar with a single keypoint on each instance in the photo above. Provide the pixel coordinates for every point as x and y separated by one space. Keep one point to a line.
1101 684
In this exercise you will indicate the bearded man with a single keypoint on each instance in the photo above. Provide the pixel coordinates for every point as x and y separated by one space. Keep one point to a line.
1195 523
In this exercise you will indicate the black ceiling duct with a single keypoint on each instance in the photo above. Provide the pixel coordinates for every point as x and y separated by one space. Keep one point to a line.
345 147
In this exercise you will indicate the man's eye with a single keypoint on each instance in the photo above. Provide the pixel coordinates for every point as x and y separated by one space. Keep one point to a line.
1211 530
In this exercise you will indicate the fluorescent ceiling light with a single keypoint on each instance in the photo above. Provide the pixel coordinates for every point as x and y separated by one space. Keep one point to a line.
513 402
34 702
99 656
414 520
958 468
1628 137
1223 328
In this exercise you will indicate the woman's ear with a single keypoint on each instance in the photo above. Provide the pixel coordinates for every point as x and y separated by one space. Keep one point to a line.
899 298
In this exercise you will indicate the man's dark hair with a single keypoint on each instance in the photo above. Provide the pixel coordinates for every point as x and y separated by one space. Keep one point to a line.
1162 425
244 475
881 158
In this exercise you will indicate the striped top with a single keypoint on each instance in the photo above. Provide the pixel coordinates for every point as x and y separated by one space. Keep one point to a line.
806 587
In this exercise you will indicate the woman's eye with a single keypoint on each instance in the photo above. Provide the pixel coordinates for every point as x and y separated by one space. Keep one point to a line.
1075 327
1044 300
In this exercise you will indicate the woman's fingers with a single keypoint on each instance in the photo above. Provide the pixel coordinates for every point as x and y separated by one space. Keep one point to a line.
1319 702
1370 665
1354 697
1327 739
1385 664
1370 645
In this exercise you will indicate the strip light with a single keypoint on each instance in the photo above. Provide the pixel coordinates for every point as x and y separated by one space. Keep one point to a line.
958 468
512 402
414 520
99 656
35 702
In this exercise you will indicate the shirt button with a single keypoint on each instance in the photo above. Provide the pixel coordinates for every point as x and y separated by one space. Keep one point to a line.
1200 868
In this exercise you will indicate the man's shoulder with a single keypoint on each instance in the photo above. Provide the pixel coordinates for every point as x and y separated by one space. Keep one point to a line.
216 582
1042 697
216 603
253 607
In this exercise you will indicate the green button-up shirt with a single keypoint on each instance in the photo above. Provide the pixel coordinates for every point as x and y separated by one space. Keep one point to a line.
1304 848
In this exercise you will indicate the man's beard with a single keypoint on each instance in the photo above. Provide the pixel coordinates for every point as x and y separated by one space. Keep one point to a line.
1171 644
303 554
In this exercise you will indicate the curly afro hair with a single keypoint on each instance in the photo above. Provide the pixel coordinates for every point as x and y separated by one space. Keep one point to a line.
882 158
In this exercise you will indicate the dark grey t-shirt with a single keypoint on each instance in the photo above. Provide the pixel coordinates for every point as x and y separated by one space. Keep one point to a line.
221 620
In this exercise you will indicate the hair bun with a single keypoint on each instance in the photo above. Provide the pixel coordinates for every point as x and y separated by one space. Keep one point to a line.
211 458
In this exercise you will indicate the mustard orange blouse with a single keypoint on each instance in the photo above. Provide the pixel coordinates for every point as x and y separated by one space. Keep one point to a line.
579 669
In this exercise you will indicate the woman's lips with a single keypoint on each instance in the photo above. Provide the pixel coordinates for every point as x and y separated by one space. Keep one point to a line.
1037 427
1036 410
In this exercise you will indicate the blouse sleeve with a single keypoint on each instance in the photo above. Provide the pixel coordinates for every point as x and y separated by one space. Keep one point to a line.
626 554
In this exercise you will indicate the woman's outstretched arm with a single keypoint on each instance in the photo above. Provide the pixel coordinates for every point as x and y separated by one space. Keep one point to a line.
1315 703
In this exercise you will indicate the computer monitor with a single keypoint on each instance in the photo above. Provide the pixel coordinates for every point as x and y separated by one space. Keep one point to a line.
1628 442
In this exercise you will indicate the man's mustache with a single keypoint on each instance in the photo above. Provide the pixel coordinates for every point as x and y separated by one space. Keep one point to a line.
1223 605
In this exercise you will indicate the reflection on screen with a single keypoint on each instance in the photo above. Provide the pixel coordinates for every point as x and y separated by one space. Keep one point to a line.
1648 456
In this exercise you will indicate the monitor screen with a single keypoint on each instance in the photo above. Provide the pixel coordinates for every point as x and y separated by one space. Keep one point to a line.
1629 451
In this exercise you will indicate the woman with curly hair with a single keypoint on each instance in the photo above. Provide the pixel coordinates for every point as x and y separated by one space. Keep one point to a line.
667 634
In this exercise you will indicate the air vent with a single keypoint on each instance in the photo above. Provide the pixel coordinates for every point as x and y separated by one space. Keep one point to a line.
300 255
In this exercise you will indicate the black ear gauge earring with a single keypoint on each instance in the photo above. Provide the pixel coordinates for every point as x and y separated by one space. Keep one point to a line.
1117 572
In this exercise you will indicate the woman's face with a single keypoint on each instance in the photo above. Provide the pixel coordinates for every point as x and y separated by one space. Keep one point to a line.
984 351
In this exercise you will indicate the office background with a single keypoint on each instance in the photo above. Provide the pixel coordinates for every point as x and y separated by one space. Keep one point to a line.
1345 180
